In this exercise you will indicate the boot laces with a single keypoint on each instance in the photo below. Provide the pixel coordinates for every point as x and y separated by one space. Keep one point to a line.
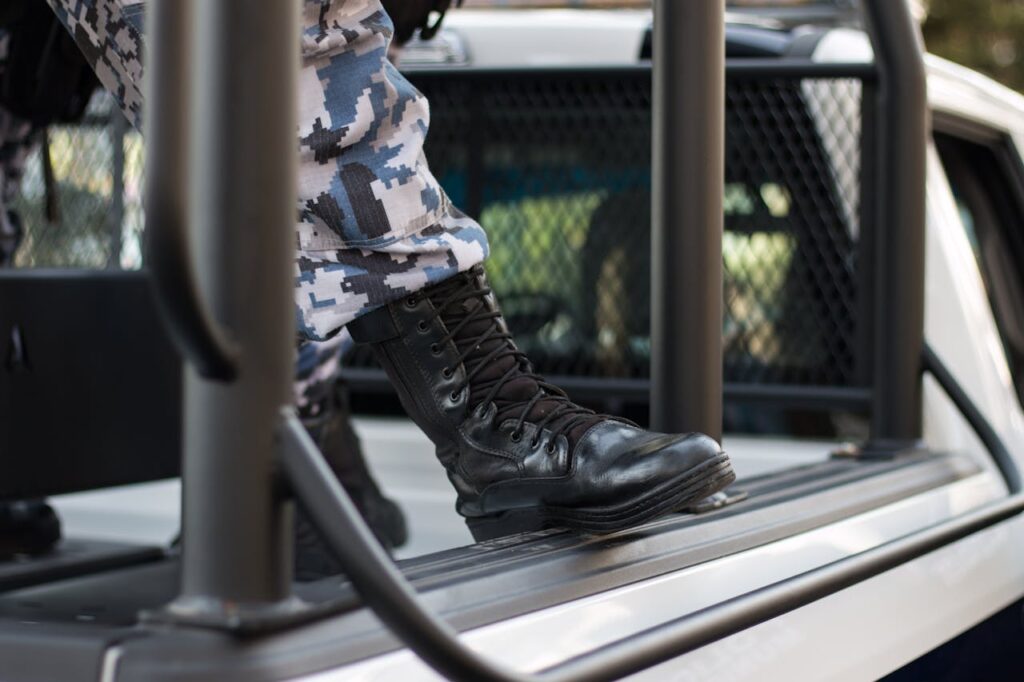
484 343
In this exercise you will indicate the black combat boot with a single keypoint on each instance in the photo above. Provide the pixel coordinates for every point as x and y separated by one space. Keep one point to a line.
27 527
520 454
329 423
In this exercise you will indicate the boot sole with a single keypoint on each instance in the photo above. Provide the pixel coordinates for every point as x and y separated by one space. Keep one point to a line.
694 485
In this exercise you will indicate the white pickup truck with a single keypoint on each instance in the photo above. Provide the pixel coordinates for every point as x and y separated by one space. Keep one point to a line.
541 128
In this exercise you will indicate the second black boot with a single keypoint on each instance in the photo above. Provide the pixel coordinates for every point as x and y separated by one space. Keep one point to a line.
520 454
328 419
27 527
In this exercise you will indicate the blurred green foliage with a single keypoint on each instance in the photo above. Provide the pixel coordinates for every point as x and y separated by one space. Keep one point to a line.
986 35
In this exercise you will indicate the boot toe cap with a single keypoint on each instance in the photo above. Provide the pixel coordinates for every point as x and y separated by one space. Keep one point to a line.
623 460
612 464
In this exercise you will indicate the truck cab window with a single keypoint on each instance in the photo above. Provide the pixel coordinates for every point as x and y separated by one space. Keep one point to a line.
988 197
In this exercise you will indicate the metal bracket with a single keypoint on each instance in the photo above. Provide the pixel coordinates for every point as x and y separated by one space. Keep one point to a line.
881 449
235 618
717 501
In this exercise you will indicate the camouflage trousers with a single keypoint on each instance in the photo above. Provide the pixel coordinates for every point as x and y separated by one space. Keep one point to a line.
318 363
373 224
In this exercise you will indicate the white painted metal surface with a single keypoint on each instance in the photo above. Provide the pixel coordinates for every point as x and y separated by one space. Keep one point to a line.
503 38
497 38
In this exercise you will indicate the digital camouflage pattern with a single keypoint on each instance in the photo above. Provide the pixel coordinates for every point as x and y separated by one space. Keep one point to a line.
317 369
109 33
373 223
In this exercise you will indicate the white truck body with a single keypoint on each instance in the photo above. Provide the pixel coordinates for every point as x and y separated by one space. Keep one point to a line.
860 633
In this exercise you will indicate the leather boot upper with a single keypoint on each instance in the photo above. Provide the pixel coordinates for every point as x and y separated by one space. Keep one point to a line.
507 438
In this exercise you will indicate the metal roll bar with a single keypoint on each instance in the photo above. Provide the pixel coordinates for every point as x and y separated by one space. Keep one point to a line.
898 226
988 436
230 178
197 335
688 177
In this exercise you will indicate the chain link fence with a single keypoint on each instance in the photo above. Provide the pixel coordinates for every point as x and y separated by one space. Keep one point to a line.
81 196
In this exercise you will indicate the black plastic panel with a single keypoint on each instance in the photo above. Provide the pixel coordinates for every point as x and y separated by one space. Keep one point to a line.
72 558
90 386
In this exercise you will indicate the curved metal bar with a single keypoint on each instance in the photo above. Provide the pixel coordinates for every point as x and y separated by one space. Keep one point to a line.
1004 461
196 334
364 561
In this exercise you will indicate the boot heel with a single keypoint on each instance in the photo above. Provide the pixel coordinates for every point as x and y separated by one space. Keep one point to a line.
506 523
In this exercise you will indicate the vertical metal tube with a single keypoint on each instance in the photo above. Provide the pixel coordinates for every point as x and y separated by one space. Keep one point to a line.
241 191
688 177
899 233
867 230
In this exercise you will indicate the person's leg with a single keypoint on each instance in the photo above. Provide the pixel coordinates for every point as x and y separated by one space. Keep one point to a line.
321 398
408 279
378 240
110 35
374 225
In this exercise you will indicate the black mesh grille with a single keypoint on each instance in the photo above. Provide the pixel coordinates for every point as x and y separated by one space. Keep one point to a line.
556 165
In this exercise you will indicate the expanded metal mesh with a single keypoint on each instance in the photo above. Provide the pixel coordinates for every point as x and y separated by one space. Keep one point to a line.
557 168
82 207
556 165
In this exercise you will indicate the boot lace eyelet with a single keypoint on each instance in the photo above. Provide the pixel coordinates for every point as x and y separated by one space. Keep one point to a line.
435 349
515 436
447 372
455 395
550 448
411 302
422 326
